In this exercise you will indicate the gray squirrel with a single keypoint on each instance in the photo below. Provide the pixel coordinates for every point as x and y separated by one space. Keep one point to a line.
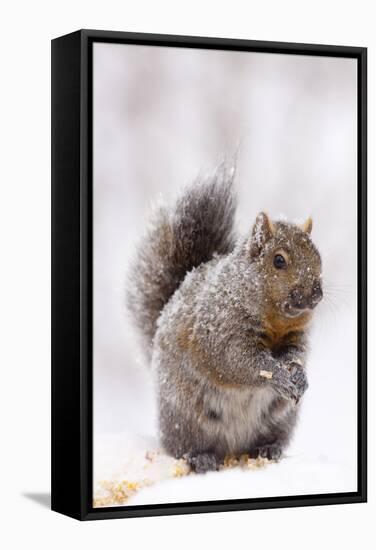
224 323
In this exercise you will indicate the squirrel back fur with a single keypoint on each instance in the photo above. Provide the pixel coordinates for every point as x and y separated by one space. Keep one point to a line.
177 240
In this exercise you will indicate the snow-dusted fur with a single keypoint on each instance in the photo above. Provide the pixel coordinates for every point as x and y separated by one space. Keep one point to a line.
225 328
178 240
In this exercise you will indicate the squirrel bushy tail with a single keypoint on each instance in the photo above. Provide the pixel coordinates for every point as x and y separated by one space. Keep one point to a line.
178 239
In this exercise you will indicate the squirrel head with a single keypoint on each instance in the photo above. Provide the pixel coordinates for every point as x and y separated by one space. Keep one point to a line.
289 264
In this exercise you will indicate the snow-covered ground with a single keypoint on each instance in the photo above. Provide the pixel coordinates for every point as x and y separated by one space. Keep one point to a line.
145 475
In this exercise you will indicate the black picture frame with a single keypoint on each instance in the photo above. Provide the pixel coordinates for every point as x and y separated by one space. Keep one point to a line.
72 249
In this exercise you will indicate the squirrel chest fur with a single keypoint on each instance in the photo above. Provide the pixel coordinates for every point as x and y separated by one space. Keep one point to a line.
224 324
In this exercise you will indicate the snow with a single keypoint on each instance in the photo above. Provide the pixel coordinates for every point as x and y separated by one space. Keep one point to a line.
163 479
300 475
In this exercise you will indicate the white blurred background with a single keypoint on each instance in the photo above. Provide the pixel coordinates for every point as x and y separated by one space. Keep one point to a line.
161 116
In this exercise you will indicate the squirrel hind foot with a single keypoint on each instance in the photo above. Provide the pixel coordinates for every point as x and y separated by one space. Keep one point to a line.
271 452
203 462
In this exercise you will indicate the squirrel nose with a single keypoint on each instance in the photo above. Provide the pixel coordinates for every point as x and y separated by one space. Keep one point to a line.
297 299
301 300
317 293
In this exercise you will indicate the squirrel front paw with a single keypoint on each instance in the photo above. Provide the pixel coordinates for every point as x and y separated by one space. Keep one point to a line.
299 379
289 381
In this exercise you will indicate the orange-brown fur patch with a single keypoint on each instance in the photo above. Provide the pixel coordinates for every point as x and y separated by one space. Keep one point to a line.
283 330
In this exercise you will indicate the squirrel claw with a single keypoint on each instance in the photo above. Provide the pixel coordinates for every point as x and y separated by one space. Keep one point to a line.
271 452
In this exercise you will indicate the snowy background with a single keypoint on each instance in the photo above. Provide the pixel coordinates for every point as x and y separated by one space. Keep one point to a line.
161 116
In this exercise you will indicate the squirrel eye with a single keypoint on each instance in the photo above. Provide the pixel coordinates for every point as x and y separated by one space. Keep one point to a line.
279 261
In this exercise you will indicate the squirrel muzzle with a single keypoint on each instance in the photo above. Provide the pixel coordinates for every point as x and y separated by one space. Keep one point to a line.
300 300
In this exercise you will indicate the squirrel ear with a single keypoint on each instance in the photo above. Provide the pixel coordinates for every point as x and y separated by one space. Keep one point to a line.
262 231
307 226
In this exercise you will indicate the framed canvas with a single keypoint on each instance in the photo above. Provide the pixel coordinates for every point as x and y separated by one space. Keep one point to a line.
208 274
